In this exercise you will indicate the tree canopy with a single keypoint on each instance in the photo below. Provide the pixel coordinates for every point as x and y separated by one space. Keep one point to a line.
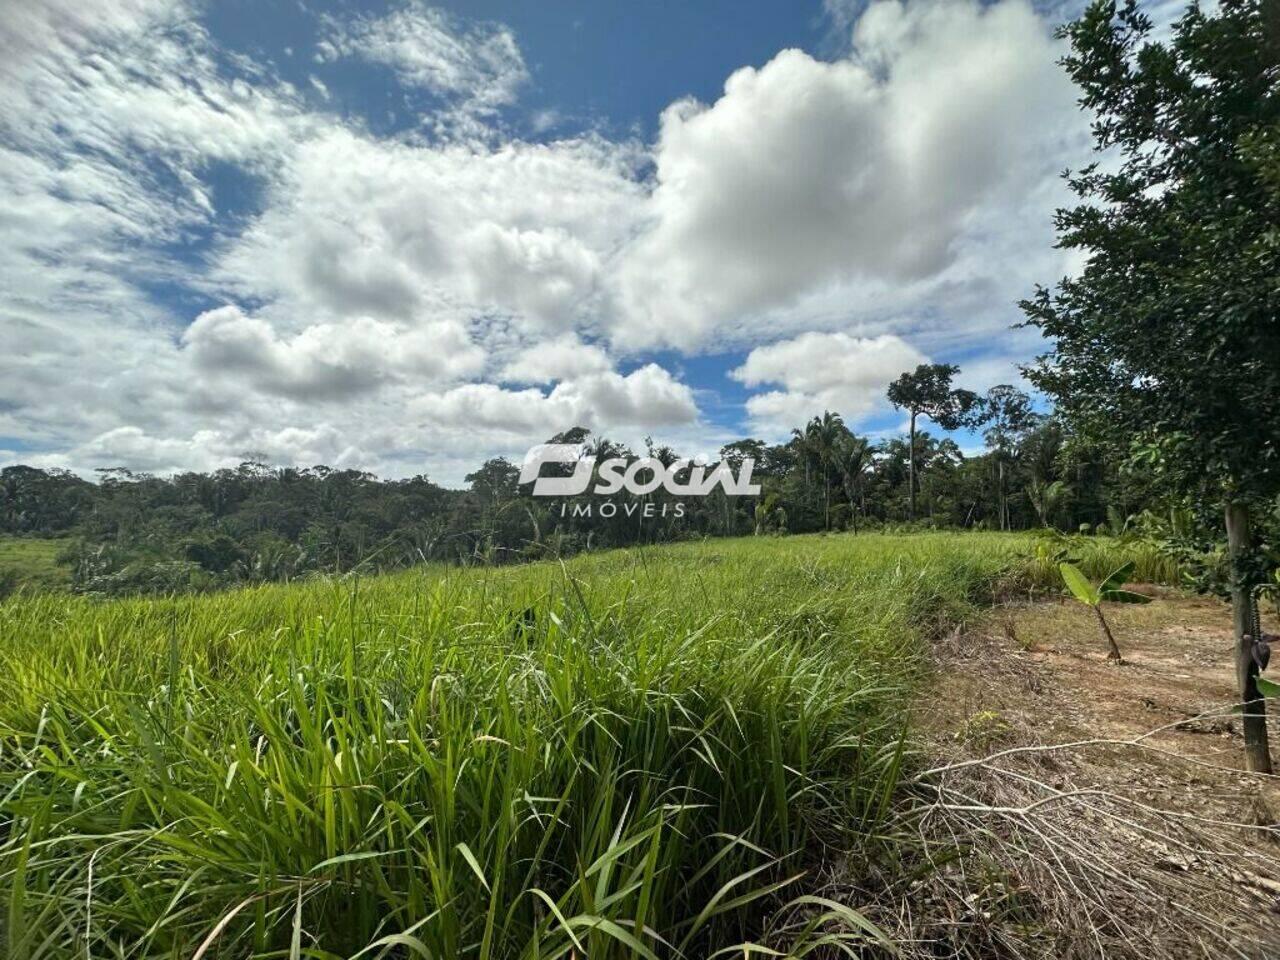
1169 337
1171 332
927 392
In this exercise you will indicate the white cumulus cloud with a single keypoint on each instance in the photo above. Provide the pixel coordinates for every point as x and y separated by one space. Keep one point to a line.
648 397
562 358
807 174
391 229
822 371
327 361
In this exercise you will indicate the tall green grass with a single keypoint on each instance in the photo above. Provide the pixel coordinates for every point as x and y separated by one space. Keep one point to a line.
638 754
1097 557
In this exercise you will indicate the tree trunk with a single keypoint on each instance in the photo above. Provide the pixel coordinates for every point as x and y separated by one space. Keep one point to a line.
1257 756
1114 652
911 470
826 499
1000 490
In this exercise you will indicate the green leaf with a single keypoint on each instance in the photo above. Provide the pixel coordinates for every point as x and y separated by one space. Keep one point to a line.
1078 584
405 940
295 939
559 917
1268 688
839 911
350 858
611 929
1124 596
472 862
17 901
1117 579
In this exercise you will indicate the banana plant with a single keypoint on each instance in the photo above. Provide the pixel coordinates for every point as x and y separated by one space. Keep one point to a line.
1110 590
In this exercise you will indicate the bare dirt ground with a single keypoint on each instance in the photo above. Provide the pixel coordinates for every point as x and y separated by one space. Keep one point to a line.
1076 808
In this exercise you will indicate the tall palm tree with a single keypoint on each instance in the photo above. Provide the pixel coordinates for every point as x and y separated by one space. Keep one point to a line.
818 442
802 443
852 455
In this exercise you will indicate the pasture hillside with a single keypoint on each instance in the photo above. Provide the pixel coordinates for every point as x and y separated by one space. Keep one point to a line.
651 752
31 563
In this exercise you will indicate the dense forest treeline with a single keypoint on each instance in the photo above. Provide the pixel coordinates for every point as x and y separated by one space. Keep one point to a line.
258 522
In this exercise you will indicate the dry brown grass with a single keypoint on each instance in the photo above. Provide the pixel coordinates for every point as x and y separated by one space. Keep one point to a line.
1072 808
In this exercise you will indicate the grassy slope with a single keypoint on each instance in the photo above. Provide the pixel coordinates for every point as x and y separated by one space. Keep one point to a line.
33 562
502 762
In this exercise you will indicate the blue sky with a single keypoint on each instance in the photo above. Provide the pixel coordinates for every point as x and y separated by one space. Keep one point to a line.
610 65
407 236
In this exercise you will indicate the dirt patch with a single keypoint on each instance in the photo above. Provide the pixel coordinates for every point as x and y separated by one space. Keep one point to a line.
1076 808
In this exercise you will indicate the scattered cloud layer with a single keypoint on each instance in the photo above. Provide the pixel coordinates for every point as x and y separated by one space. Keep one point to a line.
475 68
199 259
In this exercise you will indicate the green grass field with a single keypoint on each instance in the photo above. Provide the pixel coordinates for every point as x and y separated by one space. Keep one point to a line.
643 753
30 563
